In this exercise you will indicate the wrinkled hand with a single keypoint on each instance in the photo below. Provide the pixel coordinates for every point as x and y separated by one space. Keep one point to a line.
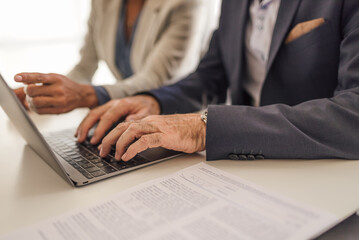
54 93
184 133
22 97
131 108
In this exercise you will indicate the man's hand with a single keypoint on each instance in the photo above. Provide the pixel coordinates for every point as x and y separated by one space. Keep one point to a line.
54 93
22 97
131 108
184 133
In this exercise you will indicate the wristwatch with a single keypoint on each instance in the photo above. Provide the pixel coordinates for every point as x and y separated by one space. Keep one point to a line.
204 117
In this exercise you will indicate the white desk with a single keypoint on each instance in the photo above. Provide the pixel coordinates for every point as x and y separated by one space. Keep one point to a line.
30 191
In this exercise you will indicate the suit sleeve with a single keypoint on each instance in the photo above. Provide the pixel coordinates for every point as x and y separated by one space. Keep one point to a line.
87 66
208 84
318 129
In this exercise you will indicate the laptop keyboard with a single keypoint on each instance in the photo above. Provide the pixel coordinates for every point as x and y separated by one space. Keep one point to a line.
85 157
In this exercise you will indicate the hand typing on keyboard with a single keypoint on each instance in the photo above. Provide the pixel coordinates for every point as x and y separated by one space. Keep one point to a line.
181 132
131 108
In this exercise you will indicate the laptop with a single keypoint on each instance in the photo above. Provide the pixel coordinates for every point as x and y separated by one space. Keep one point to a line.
79 164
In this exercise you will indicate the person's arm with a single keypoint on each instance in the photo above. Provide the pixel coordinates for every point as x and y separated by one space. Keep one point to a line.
208 84
166 56
185 132
321 128
88 63
317 129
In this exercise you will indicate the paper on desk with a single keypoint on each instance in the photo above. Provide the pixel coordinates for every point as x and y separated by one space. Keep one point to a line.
199 202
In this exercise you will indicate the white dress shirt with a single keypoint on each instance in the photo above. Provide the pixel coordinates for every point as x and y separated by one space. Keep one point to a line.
259 32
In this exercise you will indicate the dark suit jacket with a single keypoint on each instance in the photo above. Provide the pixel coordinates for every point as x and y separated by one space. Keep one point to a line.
310 98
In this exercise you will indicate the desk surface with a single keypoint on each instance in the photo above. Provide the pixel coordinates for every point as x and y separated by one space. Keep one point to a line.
31 191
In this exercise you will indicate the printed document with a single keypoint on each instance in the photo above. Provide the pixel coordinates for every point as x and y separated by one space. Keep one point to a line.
199 202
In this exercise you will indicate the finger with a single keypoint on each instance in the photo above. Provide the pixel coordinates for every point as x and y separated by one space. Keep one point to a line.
89 121
20 93
132 133
46 105
107 120
46 102
124 134
103 126
112 138
46 90
145 142
138 116
32 78
49 110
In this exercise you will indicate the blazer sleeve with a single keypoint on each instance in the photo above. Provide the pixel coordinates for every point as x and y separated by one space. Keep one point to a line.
208 84
166 56
87 66
318 129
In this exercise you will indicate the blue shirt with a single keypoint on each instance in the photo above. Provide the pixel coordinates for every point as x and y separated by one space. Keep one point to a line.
122 56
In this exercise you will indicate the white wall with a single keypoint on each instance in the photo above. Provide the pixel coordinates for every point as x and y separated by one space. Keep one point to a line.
40 35
46 35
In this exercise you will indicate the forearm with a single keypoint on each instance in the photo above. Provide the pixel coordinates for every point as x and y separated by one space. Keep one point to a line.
318 129
207 85
182 97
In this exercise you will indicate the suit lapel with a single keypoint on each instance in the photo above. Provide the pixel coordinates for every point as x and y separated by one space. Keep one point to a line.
241 18
110 25
286 14
145 31
235 19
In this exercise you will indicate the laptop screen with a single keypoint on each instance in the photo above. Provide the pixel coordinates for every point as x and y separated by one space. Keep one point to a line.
19 117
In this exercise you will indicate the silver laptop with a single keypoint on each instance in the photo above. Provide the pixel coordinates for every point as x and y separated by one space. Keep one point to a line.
79 164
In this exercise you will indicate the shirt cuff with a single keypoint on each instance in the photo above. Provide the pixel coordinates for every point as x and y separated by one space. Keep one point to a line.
102 95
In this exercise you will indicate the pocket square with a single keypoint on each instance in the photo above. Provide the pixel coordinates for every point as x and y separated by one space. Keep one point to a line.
303 28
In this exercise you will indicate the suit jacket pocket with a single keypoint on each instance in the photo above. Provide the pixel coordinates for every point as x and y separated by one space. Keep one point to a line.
319 34
303 28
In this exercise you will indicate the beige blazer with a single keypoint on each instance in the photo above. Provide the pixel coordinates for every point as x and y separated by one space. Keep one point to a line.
162 39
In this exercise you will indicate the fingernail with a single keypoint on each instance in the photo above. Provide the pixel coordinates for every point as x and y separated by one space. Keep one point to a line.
18 78
101 153
93 140
78 136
